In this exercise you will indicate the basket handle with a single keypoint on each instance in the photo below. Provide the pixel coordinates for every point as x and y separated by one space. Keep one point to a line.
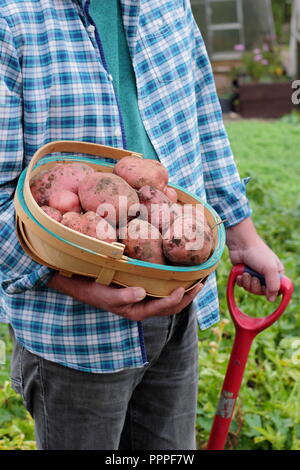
74 146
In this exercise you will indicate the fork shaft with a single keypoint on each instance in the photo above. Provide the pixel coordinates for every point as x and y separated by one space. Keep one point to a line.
230 389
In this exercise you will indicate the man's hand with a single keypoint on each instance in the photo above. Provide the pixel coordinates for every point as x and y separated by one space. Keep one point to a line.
245 246
128 302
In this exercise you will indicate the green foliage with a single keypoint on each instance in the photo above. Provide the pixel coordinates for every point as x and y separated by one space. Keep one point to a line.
292 118
16 425
267 415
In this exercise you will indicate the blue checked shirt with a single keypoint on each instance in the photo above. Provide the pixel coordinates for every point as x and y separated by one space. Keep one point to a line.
54 85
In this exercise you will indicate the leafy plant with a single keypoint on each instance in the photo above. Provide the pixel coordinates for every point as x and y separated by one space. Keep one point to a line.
262 64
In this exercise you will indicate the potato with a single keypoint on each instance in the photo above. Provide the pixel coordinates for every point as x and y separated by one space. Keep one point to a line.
141 171
109 196
72 220
53 213
65 201
151 195
188 242
171 194
90 224
164 209
95 226
62 176
187 211
143 241
158 207
41 188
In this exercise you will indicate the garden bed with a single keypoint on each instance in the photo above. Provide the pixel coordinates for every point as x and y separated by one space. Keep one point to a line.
265 100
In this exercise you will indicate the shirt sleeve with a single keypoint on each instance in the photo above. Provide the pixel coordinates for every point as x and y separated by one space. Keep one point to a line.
224 188
18 271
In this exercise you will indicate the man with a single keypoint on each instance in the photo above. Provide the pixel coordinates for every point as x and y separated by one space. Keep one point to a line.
105 367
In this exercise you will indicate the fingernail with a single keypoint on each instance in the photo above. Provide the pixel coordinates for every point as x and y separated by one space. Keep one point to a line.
139 293
272 298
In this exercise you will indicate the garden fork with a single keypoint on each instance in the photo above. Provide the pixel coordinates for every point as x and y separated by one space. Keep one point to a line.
247 328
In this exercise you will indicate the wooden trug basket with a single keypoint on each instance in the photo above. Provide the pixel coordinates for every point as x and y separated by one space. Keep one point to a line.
52 244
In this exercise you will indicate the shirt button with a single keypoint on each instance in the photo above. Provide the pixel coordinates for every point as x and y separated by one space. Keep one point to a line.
110 77
118 132
91 28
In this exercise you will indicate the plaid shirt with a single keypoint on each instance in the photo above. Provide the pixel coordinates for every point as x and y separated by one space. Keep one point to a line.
54 85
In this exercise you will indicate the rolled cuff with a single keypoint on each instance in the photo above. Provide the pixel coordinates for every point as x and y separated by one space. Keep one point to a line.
232 205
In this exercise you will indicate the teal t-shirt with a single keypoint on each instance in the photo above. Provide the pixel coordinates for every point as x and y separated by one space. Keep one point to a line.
107 17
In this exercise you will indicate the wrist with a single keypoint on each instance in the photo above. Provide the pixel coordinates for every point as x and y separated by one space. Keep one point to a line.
242 235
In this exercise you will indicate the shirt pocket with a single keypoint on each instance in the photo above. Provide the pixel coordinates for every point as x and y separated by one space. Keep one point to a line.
168 50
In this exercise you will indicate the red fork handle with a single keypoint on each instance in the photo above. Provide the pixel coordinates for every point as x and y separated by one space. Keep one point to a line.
246 330
240 319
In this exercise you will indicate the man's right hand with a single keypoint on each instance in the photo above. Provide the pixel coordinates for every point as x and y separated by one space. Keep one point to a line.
128 302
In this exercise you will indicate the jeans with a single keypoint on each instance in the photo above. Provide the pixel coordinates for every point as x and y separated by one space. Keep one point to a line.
148 408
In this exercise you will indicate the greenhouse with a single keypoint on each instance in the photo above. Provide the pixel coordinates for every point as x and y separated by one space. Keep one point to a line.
228 23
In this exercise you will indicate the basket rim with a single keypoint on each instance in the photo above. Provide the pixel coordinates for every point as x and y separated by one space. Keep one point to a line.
210 262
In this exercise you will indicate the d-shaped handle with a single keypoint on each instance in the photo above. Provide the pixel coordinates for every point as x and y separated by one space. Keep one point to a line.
243 321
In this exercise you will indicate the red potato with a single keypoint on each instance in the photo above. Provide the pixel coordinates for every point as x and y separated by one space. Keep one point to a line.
188 242
143 241
65 201
189 211
62 176
109 196
53 213
95 226
151 195
158 210
171 194
141 171
90 224
72 220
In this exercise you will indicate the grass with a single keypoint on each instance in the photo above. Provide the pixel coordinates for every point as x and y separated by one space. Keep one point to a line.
16 425
267 415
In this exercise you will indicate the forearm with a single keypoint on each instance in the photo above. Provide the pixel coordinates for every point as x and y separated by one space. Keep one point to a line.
129 302
78 287
241 235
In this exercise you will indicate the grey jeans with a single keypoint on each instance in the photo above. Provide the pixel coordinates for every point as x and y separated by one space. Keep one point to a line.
148 408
